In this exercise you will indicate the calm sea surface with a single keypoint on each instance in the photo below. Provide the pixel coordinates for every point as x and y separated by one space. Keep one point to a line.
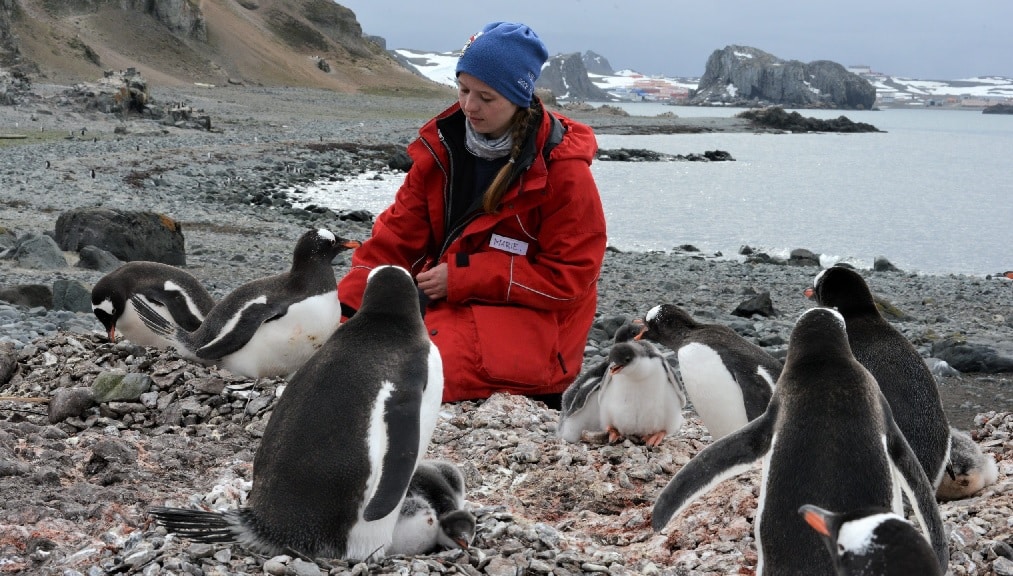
933 194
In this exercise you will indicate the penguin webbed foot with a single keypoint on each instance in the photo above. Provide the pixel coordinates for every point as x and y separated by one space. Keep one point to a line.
614 435
655 440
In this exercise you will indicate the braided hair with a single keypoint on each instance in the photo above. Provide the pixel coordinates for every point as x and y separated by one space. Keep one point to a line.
521 122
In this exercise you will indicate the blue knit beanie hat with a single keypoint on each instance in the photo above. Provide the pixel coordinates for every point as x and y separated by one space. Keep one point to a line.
508 57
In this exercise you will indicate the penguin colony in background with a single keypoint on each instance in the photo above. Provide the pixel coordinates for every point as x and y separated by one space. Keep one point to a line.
728 379
344 441
828 439
270 326
634 392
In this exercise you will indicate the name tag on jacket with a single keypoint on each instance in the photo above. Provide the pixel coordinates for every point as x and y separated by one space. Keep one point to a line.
510 245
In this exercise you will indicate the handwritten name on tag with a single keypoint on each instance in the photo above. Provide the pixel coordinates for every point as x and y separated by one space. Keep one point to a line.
508 245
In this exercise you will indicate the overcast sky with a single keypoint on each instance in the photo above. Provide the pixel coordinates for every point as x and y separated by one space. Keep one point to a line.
929 40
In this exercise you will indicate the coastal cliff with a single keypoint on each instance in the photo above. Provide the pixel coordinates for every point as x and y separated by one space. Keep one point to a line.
745 76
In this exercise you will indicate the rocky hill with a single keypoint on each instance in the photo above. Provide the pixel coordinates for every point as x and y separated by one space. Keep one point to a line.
310 43
566 76
741 75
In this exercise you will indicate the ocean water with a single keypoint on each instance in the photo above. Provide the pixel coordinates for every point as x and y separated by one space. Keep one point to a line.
933 194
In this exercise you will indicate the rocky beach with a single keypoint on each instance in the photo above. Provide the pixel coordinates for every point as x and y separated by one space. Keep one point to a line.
77 482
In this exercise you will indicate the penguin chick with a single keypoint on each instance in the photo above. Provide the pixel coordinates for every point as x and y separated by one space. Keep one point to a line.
872 542
171 292
580 410
968 471
433 514
642 396
270 326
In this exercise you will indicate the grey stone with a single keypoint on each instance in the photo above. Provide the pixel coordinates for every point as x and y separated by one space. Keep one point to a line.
881 264
111 386
69 402
95 258
1003 566
71 295
39 251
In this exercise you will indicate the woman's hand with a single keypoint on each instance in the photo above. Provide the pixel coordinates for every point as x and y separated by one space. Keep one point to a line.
433 282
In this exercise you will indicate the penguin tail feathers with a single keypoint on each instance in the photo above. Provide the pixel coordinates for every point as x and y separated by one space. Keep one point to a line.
153 320
200 525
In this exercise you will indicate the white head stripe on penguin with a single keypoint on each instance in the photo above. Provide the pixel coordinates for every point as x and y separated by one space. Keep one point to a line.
837 316
378 268
816 280
326 234
856 536
652 313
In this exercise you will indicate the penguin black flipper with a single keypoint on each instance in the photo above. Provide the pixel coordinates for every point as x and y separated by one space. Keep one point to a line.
580 408
153 320
176 303
400 459
235 334
915 486
730 456
238 330
754 397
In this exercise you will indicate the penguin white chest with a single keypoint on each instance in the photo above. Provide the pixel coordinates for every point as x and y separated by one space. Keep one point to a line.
281 346
130 325
713 390
640 400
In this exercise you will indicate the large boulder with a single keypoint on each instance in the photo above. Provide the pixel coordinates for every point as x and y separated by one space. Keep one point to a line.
126 234
36 250
746 76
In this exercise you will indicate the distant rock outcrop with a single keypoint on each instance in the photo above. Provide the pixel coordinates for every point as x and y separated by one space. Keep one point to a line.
566 76
597 64
745 76
183 17
998 109
775 117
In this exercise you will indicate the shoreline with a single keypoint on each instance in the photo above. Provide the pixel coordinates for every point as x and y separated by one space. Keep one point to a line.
77 491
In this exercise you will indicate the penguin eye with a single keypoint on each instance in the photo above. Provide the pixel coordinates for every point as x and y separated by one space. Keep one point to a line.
840 550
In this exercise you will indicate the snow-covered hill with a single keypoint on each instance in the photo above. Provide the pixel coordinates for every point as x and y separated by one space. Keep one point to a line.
630 85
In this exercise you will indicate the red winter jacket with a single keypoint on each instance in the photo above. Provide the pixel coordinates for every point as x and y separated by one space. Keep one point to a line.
522 283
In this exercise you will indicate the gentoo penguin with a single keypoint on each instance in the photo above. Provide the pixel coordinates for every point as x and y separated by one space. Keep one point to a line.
968 470
340 449
728 379
872 542
579 407
635 392
827 438
433 515
894 362
173 293
270 326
